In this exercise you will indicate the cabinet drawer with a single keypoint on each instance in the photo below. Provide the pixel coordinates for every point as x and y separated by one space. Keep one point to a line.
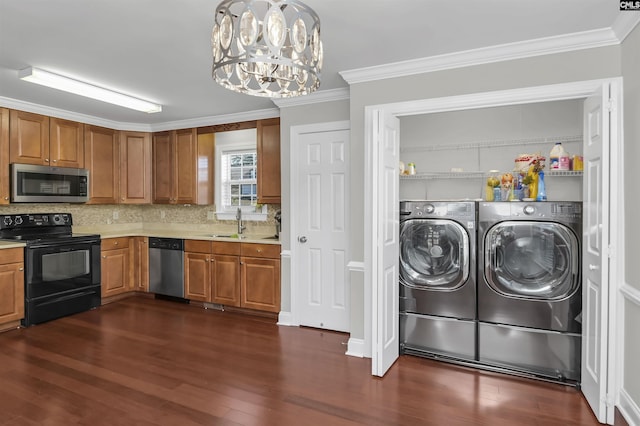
231 249
271 251
197 246
115 243
14 255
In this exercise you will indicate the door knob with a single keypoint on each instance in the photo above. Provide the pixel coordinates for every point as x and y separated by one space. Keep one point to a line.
593 267
302 239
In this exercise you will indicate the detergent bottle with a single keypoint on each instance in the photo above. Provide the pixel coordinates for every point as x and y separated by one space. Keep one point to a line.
554 156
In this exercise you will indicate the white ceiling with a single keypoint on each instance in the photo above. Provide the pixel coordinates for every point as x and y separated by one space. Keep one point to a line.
159 50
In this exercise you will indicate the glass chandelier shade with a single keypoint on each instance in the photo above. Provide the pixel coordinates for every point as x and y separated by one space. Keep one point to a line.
267 48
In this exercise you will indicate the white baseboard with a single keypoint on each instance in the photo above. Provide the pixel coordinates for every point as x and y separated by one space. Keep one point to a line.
629 409
355 347
286 318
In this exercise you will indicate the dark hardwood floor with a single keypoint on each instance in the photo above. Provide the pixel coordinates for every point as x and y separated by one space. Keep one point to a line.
141 361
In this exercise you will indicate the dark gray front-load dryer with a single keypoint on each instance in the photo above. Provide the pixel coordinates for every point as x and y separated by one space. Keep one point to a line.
530 287
437 278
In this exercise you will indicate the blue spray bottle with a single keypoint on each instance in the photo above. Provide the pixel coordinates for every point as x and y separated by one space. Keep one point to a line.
542 193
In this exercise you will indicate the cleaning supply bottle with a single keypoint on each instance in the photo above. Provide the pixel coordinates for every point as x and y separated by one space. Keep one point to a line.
554 156
565 161
542 192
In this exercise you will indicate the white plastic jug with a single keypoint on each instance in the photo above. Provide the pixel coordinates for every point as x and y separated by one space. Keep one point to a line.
554 156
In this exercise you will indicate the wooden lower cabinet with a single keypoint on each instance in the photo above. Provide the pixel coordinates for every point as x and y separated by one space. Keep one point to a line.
197 276
140 265
225 273
11 287
219 272
115 266
260 284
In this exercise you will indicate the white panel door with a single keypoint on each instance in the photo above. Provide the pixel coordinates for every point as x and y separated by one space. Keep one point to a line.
321 252
386 330
595 243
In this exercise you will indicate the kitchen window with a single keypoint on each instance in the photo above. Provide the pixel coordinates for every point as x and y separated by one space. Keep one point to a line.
236 175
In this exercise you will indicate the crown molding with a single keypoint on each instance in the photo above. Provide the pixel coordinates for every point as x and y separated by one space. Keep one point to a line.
138 127
217 119
314 98
503 52
624 24
74 116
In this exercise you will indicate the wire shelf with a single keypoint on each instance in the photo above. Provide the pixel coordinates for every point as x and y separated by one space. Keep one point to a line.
492 143
480 175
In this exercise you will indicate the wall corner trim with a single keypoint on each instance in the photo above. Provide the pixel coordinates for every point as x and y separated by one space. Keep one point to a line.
355 348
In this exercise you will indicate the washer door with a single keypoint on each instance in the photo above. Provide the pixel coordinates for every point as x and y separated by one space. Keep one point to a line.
434 254
532 260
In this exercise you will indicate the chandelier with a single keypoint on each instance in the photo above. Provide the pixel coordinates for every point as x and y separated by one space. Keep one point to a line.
267 48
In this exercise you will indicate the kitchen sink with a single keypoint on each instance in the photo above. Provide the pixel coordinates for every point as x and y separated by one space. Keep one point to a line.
273 237
225 236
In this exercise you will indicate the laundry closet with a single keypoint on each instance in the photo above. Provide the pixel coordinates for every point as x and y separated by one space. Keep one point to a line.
495 284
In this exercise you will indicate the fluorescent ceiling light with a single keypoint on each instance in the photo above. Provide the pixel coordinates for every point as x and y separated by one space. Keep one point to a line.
49 79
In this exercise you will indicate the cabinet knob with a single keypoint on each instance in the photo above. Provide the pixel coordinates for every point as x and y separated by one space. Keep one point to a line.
6 198
116 243
55 161
259 250
104 257
20 269
46 160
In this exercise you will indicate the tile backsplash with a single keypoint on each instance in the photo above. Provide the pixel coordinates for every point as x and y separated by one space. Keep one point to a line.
100 215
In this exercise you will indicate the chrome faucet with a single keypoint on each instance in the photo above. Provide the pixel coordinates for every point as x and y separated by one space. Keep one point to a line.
241 227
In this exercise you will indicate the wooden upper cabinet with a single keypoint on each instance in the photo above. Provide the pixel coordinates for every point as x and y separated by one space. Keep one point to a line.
29 138
66 143
182 167
102 158
185 166
4 156
268 147
135 168
163 167
42 140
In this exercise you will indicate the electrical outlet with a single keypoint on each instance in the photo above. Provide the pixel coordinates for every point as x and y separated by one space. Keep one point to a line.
163 214
211 215
116 215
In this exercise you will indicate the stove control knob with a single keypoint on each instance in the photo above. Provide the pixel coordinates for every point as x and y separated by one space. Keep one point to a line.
65 218
56 219
8 220
18 220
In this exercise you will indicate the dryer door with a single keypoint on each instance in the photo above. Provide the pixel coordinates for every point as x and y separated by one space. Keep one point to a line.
532 260
434 254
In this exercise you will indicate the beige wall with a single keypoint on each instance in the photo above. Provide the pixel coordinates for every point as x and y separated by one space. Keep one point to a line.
631 84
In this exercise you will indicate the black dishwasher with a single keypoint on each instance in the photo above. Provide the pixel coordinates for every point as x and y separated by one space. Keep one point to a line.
166 267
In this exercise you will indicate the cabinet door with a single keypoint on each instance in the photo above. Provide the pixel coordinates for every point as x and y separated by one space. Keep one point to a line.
4 156
135 168
185 160
140 269
197 276
115 272
163 169
66 145
260 284
11 292
268 148
102 158
225 273
29 138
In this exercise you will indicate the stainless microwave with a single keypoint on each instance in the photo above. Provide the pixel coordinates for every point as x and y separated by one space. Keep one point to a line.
44 184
